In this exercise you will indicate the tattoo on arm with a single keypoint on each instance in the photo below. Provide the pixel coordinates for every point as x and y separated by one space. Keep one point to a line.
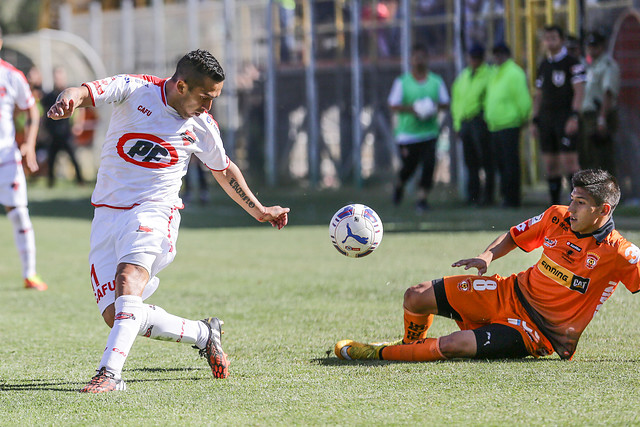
245 198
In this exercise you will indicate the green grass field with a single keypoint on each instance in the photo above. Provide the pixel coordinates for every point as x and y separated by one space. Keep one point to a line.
287 297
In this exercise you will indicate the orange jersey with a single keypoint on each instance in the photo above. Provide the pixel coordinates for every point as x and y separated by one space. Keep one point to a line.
575 275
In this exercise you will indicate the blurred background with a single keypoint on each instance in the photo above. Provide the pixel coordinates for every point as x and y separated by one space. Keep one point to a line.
305 100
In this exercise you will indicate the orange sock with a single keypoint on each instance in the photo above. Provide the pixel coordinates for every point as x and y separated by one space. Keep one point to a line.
416 326
426 350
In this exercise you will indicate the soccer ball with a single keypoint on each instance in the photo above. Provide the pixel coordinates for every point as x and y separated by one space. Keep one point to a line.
355 230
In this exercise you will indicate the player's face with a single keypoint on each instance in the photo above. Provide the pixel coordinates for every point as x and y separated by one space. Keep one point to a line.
585 216
197 100
552 41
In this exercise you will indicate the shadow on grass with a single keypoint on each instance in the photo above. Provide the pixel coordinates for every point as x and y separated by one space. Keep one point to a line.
74 387
334 361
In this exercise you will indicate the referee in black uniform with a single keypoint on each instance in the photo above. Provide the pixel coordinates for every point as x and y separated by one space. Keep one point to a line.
560 82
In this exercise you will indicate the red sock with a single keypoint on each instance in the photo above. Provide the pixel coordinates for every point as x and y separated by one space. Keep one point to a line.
426 350
416 326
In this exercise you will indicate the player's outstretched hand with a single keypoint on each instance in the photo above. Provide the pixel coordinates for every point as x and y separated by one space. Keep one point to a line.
62 109
276 215
477 262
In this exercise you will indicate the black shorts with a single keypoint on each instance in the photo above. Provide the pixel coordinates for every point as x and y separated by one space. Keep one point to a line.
552 137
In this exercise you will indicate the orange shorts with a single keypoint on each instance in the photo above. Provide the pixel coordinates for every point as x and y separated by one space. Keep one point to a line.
482 300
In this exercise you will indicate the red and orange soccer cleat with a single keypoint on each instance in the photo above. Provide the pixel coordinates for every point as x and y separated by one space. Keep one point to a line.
35 282
104 381
213 352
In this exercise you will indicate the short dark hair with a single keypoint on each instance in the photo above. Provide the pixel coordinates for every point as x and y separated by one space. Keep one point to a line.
600 185
419 47
197 64
554 28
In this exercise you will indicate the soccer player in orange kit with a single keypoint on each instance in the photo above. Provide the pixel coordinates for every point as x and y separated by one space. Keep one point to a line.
535 312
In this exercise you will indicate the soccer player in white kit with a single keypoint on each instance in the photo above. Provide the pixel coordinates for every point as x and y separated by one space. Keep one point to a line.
155 127
16 94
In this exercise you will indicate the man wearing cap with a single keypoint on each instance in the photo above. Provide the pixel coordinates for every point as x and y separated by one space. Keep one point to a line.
467 104
507 107
599 117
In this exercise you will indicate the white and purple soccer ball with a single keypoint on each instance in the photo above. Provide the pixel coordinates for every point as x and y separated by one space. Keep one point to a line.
355 230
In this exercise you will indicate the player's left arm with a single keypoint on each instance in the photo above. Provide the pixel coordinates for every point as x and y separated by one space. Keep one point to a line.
497 249
28 148
233 183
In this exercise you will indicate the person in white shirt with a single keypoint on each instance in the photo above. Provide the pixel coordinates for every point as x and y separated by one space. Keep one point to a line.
155 127
15 94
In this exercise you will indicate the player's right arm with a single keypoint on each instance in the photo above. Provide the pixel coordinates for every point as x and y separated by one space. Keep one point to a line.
68 100
498 248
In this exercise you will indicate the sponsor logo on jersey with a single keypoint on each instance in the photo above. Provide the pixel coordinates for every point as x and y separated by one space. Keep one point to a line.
550 243
99 85
558 77
3 91
574 247
144 229
145 110
562 276
188 137
146 150
524 226
592 260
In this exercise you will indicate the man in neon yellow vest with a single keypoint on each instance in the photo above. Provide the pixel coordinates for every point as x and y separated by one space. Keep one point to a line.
415 98
467 110
507 109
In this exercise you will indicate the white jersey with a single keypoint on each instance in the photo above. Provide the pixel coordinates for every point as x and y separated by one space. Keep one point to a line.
14 93
148 145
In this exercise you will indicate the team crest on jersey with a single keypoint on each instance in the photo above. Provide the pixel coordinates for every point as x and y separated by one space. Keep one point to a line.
592 260
3 91
550 243
558 78
464 285
146 150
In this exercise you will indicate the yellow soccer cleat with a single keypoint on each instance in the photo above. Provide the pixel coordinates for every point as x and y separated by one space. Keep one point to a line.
352 350
35 282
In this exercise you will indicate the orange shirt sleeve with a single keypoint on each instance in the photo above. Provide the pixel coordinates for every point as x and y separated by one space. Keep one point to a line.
529 234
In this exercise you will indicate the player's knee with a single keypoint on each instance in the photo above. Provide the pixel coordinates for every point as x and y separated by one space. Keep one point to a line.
458 344
420 298
108 314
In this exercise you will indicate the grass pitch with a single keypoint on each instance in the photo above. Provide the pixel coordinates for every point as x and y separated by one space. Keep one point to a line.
286 298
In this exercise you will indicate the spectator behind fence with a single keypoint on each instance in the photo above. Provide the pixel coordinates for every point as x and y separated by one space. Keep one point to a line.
558 97
416 97
507 108
599 113
59 131
467 110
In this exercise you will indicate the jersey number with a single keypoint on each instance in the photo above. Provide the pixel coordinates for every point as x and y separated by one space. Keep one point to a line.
484 285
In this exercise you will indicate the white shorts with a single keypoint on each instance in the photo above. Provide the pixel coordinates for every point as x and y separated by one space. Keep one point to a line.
144 235
13 185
